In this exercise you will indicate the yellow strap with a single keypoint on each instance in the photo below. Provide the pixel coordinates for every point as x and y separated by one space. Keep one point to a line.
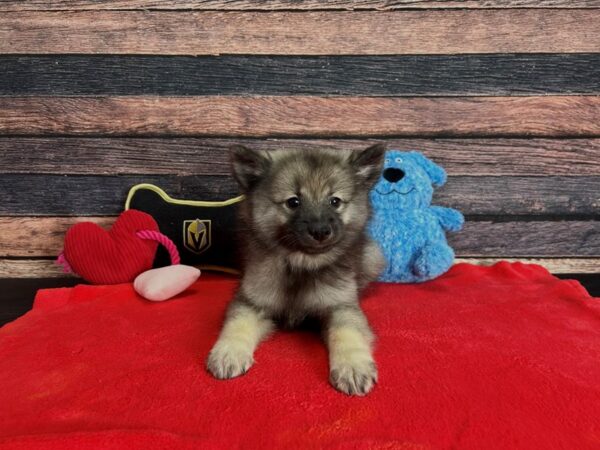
175 201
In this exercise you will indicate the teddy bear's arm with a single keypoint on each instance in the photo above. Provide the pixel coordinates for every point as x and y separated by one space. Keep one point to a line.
450 219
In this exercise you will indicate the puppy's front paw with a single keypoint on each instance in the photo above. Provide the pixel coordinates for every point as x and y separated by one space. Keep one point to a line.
226 362
354 378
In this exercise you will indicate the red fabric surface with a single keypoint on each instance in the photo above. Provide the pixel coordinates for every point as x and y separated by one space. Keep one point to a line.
114 256
500 357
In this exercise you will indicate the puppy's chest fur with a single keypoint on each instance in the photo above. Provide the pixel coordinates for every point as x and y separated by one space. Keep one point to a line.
291 295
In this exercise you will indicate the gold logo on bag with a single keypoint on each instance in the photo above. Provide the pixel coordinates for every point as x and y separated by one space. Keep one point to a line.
197 235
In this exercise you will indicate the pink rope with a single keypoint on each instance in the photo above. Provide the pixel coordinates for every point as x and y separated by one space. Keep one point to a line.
62 261
164 241
144 234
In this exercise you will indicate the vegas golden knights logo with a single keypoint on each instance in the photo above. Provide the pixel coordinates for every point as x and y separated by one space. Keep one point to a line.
197 235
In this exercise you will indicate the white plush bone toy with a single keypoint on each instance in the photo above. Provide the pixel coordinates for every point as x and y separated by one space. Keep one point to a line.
166 282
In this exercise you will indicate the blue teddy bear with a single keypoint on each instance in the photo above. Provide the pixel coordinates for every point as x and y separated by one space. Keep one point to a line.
411 232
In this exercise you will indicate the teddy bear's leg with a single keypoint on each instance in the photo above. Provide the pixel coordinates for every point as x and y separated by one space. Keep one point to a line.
433 260
397 269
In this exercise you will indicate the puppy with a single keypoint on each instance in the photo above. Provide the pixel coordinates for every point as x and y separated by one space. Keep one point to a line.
307 256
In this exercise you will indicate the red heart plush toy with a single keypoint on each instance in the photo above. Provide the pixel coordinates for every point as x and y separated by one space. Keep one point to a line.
115 256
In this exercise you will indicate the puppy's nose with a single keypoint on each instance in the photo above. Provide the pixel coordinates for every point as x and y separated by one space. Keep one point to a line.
319 232
392 174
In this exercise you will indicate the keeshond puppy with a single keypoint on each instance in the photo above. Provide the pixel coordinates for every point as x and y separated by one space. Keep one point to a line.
307 256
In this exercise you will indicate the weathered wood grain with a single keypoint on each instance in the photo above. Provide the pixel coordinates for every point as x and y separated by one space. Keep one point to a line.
554 265
527 239
44 236
281 116
31 268
32 195
39 236
44 268
273 5
309 33
198 156
403 75
24 195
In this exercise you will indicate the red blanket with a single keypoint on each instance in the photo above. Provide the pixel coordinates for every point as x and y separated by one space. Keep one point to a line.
500 357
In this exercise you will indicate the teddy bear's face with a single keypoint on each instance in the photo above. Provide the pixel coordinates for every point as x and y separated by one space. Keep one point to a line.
406 181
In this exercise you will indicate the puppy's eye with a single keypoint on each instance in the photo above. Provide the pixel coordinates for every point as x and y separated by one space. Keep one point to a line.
387 160
398 160
292 202
335 202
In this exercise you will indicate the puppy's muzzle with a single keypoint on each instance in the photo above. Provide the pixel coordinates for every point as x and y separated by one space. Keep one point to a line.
320 231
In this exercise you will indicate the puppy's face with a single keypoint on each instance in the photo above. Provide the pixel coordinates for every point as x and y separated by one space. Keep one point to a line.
310 202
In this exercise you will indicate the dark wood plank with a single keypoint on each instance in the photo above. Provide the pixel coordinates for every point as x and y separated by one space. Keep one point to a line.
30 195
499 196
198 156
544 116
97 195
477 239
45 268
309 33
274 5
527 239
590 281
18 294
429 75
21 292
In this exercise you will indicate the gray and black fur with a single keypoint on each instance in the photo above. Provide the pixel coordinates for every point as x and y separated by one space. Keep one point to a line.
307 256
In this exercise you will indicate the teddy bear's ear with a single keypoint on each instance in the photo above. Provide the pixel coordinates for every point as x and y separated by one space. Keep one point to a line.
435 172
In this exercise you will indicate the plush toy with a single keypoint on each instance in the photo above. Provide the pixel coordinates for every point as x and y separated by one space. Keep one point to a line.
166 282
110 257
411 232
124 254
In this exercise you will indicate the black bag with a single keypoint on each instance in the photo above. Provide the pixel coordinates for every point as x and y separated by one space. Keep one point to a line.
204 232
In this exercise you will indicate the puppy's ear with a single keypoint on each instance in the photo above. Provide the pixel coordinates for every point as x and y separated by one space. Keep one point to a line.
368 163
436 174
248 166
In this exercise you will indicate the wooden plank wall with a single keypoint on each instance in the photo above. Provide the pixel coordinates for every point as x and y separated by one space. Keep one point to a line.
96 96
